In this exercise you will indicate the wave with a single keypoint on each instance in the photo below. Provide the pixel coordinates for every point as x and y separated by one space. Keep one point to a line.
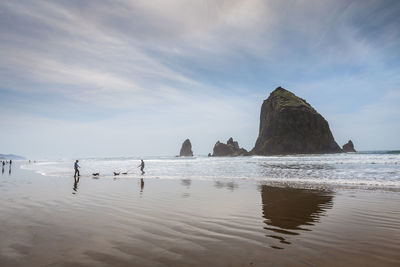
372 169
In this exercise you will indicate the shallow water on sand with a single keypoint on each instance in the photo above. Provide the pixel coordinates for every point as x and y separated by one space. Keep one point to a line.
58 221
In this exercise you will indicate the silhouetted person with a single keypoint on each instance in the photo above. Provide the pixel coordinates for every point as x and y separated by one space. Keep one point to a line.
4 163
10 162
76 167
141 166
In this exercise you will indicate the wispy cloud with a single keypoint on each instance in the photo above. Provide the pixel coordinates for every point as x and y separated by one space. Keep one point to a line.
207 64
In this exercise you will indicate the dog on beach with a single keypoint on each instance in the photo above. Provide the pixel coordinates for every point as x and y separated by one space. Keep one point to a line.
116 173
96 174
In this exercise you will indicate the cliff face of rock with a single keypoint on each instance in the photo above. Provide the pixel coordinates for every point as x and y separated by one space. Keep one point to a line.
231 149
349 147
289 125
186 149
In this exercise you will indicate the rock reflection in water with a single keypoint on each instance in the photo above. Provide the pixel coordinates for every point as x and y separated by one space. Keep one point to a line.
288 210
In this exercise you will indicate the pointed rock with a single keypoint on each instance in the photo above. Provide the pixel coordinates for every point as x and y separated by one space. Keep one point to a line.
289 125
349 147
235 144
186 149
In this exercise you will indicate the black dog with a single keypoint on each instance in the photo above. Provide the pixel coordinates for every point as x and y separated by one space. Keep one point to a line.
116 173
96 174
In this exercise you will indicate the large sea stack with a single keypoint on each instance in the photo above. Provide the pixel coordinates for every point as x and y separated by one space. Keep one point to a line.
186 149
289 125
231 149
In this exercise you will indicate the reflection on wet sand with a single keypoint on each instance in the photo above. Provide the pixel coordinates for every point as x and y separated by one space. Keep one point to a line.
288 210
228 185
76 182
186 182
141 185
43 225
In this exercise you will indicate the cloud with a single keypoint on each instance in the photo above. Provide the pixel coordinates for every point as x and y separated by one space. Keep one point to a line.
81 54
201 68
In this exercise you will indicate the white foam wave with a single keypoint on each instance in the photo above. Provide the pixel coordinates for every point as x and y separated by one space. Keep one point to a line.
351 169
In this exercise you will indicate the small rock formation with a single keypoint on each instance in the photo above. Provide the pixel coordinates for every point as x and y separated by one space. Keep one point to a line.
231 148
235 144
289 125
349 147
209 155
186 150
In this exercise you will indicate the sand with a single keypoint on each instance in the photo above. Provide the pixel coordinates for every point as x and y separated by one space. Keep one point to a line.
51 221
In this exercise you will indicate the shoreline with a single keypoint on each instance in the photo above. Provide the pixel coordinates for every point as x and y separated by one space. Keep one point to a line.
296 182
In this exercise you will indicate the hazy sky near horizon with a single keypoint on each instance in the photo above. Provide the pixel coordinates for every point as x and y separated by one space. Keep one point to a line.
136 78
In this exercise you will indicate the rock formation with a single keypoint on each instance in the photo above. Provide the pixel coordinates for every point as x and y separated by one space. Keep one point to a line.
186 150
349 147
289 125
231 148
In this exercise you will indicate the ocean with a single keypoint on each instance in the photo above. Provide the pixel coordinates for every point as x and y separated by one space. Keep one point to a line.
375 169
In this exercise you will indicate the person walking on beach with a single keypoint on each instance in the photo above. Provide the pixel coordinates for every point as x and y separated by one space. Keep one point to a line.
141 166
10 162
76 166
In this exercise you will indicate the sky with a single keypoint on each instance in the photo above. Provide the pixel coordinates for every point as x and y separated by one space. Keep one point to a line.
136 78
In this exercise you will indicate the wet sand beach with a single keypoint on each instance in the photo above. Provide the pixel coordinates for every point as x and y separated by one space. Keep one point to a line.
56 221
